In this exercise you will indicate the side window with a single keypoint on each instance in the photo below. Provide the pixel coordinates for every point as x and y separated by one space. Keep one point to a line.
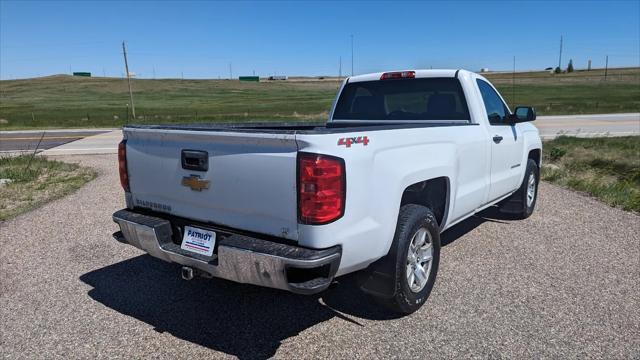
496 110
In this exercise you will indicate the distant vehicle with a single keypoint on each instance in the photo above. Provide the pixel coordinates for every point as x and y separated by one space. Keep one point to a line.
404 156
278 77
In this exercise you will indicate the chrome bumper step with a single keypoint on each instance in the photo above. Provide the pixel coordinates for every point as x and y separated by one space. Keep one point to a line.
238 258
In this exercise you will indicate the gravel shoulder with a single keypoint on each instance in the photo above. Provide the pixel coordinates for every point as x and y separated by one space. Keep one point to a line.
563 283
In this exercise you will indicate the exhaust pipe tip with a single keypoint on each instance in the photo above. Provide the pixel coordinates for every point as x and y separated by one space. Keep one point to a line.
187 273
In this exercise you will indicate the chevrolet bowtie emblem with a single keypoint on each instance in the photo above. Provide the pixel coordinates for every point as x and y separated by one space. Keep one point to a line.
195 183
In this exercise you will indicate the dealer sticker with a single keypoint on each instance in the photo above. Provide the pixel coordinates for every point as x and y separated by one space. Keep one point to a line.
198 241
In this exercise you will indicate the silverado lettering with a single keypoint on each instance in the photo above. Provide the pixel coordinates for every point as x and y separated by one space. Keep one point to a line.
153 205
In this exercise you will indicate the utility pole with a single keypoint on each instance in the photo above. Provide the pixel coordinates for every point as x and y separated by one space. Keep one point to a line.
340 69
351 54
606 66
230 72
154 72
560 58
513 83
126 68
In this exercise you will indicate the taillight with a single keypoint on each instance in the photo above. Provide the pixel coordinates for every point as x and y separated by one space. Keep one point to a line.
122 165
398 75
321 188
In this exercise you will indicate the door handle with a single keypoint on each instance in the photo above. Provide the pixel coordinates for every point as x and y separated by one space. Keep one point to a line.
497 139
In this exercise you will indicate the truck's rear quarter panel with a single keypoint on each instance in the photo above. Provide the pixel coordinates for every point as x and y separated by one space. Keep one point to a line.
379 172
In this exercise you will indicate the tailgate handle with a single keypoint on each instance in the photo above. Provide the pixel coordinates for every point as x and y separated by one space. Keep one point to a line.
197 160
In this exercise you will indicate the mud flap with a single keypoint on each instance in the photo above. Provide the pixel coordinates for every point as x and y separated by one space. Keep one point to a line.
379 278
512 205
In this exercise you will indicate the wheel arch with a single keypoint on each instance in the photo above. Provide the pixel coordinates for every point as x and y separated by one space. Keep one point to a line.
432 193
535 155
532 147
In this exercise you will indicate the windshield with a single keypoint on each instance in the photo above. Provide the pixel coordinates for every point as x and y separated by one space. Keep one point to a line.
403 99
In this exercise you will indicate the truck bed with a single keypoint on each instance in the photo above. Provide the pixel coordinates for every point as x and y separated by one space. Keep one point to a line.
252 169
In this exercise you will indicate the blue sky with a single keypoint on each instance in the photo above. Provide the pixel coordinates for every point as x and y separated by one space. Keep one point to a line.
199 39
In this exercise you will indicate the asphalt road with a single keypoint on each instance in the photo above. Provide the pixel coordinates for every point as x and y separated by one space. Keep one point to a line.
588 125
563 283
15 141
549 126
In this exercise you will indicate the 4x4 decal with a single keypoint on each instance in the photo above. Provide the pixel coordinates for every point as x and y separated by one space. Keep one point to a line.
353 140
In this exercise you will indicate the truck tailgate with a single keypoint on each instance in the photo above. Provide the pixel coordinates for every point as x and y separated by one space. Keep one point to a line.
252 177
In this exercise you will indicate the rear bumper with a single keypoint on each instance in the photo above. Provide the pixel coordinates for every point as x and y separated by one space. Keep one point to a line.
238 258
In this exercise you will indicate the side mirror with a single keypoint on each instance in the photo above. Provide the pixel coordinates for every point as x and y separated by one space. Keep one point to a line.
524 114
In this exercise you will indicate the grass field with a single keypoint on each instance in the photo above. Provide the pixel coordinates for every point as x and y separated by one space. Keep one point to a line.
606 168
580 92
37 181
64 101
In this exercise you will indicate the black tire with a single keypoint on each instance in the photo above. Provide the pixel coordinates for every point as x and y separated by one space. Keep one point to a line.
516 206
411 219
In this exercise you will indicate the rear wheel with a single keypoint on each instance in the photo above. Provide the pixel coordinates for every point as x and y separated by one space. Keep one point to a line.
417 255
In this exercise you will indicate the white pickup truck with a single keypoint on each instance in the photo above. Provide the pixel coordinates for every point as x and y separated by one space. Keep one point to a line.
404 156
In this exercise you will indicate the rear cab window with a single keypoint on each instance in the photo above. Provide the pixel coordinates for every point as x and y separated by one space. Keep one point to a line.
435 99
